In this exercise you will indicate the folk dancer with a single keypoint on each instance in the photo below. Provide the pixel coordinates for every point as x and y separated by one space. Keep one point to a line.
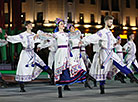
65 71
119 50
52 46
130 49
75 37
105 56
30 64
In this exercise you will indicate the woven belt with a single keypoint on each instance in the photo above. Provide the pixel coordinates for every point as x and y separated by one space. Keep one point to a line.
77 47
62 46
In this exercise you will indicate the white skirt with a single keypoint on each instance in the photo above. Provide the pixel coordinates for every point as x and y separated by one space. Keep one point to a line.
25 69
66 70
96 71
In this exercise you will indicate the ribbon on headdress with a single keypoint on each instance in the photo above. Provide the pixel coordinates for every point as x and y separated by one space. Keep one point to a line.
68 26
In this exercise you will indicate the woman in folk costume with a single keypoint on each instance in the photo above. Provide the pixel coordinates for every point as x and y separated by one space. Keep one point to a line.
65 72
119 50
104 57
30 65
75 37
85 56
130 49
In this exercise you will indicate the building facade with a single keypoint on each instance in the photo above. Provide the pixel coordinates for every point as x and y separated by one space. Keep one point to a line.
83 13
87 15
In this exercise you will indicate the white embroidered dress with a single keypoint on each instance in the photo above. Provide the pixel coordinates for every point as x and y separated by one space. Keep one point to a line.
66 71
75 49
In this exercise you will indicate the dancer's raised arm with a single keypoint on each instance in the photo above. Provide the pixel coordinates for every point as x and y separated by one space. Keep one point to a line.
94 39
15 39
43 35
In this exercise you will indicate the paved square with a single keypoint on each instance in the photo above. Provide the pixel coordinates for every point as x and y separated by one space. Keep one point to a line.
43 92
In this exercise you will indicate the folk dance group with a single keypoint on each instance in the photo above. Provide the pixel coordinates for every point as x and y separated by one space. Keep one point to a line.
67 52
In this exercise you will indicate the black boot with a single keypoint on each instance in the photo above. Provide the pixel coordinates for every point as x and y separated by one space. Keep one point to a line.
89 77
60 92
132 78
123 75
102 89
95 83
120 76
22 87
66 87
52 81
3 83
86 84
50 72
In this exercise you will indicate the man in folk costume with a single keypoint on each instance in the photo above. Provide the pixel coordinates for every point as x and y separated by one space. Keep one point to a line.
30 64
130 49
105 56
52 46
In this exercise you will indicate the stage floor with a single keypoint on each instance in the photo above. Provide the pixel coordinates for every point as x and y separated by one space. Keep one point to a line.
43 92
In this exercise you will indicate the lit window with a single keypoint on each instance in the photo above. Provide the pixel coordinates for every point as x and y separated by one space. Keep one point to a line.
81 18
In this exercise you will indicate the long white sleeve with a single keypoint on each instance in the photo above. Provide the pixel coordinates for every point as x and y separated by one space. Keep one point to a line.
94 39
15 38
44 35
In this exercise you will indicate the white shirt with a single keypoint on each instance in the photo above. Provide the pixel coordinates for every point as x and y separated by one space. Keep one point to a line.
103 38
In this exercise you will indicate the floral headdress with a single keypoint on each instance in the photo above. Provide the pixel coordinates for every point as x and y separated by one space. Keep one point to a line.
58 20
